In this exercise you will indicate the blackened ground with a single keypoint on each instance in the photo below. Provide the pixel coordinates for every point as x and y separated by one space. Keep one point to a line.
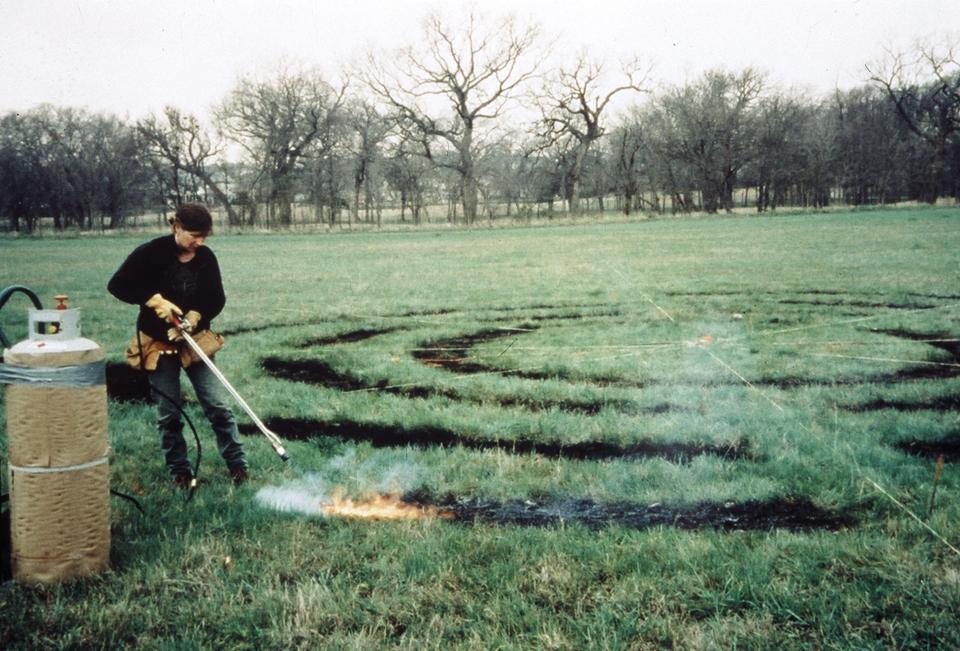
949 448
310 371
453 354
319 373
935 403
381 436
126 384
786 514
949 344
345 338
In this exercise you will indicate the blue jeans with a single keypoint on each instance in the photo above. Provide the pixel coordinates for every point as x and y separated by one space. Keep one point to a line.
214 399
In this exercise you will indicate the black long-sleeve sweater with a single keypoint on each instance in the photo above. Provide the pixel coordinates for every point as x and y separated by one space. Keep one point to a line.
153 268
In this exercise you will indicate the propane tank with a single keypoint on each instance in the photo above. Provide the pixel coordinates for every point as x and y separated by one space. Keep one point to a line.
57 443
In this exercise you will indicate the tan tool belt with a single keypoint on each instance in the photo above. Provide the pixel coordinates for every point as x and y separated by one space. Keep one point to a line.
208 341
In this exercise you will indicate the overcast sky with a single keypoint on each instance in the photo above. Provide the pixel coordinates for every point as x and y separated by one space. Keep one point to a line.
133 57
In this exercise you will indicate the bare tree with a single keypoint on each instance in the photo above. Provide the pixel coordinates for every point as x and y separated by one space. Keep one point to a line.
451 83
627 154
181 142
924 86
779 127
118 161
871 160
277 121
709 128
572 104
370 128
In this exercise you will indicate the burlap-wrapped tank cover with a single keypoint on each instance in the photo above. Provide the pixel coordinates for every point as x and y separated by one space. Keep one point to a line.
59 474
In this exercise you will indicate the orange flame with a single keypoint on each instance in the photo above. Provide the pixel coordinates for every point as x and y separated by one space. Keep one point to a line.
383 507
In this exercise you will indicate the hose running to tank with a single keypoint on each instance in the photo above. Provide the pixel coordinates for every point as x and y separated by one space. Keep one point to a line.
186 417
5 296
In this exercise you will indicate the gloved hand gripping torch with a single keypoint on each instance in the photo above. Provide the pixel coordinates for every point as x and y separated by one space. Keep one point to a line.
185 327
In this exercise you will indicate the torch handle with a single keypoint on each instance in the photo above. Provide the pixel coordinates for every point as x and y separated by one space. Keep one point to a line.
273 438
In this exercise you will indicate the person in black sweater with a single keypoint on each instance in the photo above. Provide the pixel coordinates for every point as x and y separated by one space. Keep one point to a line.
176 275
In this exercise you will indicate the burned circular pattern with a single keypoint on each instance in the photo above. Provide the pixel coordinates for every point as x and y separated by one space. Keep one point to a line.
454 355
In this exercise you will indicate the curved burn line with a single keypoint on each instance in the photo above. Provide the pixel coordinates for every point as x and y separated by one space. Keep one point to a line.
383 436
318 373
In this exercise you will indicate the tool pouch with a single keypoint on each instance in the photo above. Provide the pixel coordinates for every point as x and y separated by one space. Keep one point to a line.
208 341
144 351
147 350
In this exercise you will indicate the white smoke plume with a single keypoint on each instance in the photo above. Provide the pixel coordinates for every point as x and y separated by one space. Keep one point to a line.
343 475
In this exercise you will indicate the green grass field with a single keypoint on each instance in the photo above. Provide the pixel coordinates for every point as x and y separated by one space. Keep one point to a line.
702 433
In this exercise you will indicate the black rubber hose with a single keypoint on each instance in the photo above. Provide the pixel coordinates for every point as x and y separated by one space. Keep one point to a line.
5 296
175 403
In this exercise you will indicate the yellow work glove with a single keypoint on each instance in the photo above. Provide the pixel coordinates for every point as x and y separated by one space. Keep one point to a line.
164 308
192 318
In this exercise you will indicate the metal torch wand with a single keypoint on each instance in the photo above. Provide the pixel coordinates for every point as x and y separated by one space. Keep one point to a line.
184 327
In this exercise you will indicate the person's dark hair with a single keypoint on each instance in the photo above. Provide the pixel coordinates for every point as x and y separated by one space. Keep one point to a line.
194 218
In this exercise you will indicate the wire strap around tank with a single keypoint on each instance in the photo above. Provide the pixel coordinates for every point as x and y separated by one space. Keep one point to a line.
82 466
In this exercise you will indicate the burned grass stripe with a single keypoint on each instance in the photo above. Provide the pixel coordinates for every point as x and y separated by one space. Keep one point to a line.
126 384
939 404
346 337
313 372
319 373
855 304
452 354
949 448
787 514
814 292
322 374
947 343
390 436
417 314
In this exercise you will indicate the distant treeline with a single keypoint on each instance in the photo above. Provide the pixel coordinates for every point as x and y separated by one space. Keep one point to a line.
510 135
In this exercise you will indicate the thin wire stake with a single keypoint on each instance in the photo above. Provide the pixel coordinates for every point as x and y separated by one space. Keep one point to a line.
913 515
880 488
936 480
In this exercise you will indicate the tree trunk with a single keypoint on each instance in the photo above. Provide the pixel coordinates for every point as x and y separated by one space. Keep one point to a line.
575 171
232 217
470 200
